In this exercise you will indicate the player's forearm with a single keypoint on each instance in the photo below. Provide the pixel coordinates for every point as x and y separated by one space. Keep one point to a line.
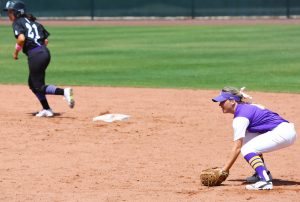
234 154
21 40
19 46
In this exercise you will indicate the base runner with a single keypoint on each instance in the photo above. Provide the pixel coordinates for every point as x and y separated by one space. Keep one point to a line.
32 38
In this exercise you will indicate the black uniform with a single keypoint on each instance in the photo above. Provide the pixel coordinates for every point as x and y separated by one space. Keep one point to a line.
38 57
34 47
34 33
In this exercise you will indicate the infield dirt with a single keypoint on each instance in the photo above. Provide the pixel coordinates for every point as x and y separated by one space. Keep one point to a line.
156 155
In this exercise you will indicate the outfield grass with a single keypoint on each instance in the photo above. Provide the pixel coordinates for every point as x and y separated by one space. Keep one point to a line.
261 57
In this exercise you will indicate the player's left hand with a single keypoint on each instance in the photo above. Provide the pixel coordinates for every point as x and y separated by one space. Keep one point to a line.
213 176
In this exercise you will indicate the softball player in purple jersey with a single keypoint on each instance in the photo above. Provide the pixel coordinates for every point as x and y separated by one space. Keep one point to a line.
256 131
32 38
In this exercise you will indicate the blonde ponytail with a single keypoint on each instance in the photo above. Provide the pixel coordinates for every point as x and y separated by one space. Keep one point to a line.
244 98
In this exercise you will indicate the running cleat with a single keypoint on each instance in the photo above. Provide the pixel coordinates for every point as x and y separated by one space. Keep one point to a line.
45 113
255 178
260 185
68 93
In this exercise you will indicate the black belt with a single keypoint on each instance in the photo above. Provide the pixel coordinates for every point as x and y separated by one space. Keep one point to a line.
34 49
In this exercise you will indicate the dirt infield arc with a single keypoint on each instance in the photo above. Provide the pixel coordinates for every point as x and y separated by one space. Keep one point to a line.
156 155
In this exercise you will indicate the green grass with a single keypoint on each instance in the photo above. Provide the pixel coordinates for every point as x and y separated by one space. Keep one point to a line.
261 57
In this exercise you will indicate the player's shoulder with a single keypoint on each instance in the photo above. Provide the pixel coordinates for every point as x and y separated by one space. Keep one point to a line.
259 106
19 21
248 110
37 23
244 110
250 106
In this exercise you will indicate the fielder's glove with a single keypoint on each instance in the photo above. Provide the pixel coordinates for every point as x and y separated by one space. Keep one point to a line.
213 176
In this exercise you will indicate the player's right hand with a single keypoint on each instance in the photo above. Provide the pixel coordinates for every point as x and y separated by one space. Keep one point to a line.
15 55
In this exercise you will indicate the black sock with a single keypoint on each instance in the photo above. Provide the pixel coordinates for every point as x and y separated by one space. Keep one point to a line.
59 91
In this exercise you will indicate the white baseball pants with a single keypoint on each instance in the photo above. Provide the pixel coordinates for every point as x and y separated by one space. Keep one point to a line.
282 136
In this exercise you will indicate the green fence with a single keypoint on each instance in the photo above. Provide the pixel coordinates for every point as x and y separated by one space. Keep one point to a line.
161 8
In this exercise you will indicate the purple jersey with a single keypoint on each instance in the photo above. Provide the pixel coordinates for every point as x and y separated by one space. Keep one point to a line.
260 120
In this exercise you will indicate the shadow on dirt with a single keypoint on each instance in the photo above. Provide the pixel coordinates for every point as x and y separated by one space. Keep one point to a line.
34 113
276 182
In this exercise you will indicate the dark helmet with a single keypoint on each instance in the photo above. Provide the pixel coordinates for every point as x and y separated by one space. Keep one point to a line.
17 6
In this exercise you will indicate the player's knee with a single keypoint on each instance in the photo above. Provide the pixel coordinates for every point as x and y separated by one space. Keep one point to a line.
40 89
32 89
246 150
